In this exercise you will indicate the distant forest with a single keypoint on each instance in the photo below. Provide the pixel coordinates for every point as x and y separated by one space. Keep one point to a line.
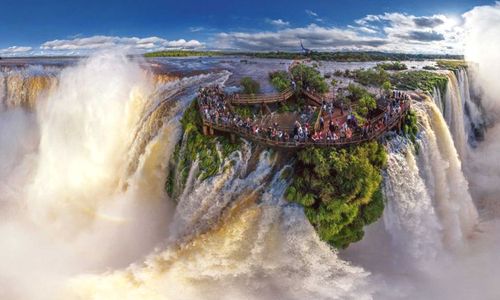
325 56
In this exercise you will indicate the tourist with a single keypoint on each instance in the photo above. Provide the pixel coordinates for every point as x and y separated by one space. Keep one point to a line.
331 126
335 137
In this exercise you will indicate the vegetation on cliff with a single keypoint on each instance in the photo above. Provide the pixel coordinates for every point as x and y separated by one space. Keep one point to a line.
452 65
340 190
403 80
419 80
194 146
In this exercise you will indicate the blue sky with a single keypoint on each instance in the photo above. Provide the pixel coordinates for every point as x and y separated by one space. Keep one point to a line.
77 27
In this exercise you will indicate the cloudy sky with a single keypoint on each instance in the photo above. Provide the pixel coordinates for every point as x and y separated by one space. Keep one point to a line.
54 27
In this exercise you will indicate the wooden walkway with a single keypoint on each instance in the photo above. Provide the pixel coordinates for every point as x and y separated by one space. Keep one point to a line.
239 99
357 137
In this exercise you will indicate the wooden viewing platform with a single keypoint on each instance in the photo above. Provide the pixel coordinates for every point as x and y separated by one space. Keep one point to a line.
356 139
210 126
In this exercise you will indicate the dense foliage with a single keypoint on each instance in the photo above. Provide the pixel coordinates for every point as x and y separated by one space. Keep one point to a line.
250 86
393 66
423 80
196 147
306 76
280 80
340 190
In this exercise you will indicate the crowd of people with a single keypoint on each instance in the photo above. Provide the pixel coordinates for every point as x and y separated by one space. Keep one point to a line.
215 109
341 128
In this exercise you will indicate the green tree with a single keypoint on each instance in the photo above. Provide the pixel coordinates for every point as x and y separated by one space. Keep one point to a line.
387 86
356 91
250 86
365 104
305 76
280 80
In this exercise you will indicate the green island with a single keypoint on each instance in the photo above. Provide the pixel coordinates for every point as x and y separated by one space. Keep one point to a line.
338 187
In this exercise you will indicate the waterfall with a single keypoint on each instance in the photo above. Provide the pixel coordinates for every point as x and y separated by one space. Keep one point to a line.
474 123
462 115
429 206
410 216
21 87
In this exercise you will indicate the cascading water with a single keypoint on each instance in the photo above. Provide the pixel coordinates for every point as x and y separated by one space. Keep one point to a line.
462 115
22 87
410 217
429 207
443 174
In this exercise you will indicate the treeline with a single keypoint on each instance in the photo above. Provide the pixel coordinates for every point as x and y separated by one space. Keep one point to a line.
325 56
351 56
182 53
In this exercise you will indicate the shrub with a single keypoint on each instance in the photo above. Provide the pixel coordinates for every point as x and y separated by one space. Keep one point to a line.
280 80
305 76
373 77
365 104
250 86
394 66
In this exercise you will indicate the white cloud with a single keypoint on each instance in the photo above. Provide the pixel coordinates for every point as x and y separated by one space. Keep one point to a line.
400 27
131 43
314 15
396 32
278 23
196 29
313 36
15 50
311 13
